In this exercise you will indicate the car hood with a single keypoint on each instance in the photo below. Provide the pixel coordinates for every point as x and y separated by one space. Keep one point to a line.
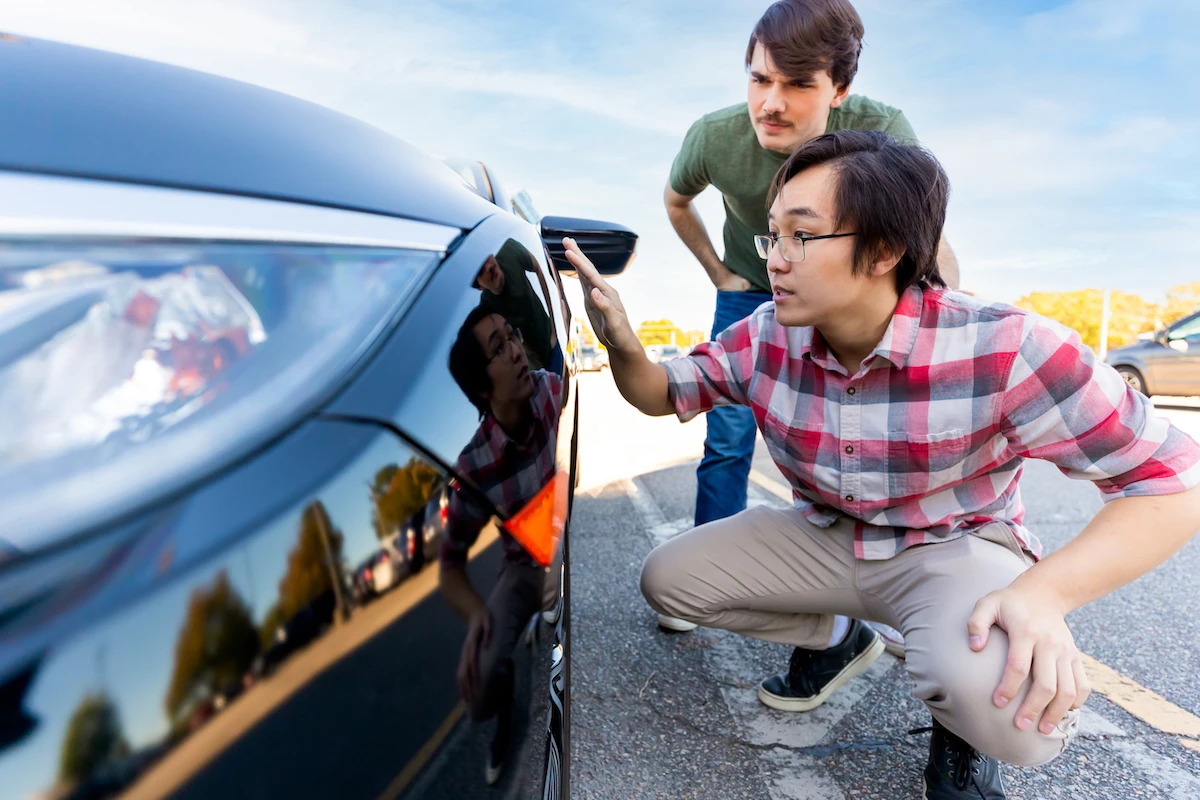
77 111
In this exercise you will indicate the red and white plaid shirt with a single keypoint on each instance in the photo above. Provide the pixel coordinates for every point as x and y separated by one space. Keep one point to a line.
925 443
509 473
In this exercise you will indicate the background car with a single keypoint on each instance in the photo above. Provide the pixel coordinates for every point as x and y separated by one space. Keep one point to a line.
225 323
661 352
1166 362
592 358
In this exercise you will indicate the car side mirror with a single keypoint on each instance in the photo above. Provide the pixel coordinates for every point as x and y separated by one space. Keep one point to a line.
1178 344
609 246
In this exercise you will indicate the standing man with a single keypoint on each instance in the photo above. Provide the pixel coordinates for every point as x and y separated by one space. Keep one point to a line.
902 415
801 59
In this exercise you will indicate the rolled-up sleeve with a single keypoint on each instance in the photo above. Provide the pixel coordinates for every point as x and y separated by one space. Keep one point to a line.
1063 406
715 373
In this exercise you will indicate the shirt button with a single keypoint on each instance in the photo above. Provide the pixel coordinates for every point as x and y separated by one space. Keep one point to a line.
849 448
849 498
850 390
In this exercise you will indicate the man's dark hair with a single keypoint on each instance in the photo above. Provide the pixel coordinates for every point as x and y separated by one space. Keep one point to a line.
805 37
468 362
892 194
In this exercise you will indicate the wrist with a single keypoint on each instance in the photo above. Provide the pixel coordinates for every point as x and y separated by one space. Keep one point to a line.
1042 591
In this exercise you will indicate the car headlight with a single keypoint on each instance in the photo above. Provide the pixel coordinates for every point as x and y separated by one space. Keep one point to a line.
129 360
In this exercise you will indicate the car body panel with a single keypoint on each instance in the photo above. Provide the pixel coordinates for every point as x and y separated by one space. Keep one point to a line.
1168 360
89 113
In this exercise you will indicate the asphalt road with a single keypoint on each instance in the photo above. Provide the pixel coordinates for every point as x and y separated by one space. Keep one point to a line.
676 715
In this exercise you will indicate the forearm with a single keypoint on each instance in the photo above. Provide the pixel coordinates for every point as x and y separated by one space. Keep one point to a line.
459 593
686 221
1128 538
640 381
947 264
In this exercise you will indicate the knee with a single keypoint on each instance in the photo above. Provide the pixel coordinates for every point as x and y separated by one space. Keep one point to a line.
658 581
958 687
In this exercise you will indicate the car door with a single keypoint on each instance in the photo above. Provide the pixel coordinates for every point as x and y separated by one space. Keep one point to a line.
1176 366
498 271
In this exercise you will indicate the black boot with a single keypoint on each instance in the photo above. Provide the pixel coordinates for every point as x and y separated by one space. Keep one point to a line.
813 675
957 771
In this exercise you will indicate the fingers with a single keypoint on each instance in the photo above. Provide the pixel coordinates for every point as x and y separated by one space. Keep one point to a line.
466 681
597 297
1064 696
1082 687
582 263
1043 689
979 626
1016 669
485 635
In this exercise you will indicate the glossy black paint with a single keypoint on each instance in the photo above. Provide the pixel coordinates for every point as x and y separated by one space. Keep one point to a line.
76 111
319 695
608 245
217 642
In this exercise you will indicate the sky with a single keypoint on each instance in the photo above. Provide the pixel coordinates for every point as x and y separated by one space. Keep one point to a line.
1070 130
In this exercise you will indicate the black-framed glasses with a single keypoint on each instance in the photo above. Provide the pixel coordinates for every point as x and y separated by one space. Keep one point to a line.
790 247
514 337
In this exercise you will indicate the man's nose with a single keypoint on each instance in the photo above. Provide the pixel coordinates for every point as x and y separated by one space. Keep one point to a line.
776 263
774 102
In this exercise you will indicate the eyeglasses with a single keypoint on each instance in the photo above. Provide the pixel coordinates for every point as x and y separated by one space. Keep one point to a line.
515 338
790 247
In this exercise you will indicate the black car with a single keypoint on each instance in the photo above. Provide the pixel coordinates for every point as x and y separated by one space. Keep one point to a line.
234 359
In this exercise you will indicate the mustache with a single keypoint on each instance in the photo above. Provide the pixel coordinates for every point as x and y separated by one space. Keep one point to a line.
773 120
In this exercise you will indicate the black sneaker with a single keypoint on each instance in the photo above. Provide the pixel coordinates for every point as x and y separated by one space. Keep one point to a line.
813 675
957 770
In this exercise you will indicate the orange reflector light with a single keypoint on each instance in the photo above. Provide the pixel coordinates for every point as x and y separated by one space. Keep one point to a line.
539 525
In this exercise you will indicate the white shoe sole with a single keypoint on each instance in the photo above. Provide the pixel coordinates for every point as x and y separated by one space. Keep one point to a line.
675 624
856 667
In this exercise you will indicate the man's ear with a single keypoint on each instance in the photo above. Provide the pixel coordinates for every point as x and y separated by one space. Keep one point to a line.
885 260
840 97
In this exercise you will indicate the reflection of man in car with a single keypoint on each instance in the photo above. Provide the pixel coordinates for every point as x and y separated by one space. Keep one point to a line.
510 459
507 292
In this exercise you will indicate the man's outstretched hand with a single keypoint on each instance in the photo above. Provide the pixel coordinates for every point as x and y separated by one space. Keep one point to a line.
603 304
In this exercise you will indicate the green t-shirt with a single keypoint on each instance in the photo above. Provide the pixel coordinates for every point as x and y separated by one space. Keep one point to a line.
721 149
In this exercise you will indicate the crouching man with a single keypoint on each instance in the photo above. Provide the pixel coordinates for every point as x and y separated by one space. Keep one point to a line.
901 413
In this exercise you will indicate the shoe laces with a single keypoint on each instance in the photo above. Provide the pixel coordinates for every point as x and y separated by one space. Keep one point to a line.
965 762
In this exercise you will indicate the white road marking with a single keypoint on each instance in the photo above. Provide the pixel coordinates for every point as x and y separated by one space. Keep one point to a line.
1160 771
789 776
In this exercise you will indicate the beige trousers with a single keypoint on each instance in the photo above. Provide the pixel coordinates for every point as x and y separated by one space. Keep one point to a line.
770 574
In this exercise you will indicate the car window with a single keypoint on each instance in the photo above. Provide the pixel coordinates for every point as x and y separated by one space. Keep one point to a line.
1186 329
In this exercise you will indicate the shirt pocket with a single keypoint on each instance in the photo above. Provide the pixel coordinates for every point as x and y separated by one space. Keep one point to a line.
921 464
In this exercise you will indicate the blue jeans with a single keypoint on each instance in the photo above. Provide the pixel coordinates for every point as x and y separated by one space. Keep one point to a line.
729 446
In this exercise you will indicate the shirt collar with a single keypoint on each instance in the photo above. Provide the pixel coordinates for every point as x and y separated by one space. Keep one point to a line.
895 346
901 334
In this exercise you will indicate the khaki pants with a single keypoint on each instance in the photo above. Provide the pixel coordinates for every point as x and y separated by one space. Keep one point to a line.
770 574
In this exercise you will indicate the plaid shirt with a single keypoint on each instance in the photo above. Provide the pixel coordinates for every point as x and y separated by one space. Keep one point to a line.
509 473
925 443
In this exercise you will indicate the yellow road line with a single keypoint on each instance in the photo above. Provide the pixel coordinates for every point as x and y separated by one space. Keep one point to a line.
414 765
1150 707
